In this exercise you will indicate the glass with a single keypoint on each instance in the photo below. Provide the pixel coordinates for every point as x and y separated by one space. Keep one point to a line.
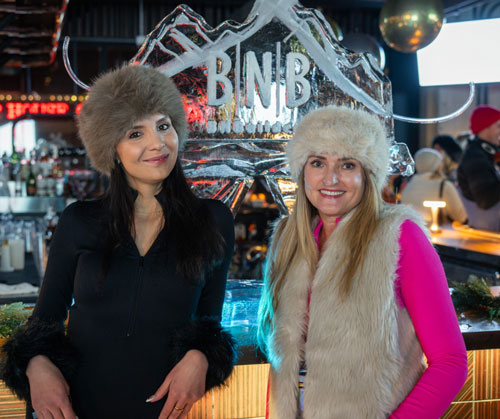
29 228
16 244
4 179
39 248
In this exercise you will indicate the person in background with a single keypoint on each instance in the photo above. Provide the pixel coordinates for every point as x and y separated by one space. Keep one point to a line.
451 152
141 271
477 174
392 191
354 293
429 185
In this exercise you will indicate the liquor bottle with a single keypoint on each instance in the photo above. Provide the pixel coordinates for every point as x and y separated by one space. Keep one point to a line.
31 183
4 179
18 186
56 165
6 166
15 158
51 219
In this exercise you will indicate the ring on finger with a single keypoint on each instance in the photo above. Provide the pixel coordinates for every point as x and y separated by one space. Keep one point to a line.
178 409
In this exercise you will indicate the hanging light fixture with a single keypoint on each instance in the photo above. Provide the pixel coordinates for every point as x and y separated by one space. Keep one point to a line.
409 25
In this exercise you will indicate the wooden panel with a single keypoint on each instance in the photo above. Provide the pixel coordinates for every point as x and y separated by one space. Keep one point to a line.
459 411
487 374
487 410
245 394
203 409
467 391
10 405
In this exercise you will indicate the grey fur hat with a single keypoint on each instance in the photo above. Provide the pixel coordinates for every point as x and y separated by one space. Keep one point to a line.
118 99
347 132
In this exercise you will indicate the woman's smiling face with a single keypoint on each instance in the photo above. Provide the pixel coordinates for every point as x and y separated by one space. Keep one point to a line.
333 185
148 151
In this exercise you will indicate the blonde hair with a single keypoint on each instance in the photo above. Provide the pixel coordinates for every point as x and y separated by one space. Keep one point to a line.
293 237
437 174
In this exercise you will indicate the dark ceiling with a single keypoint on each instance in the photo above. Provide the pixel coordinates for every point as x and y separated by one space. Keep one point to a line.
106 33
30 29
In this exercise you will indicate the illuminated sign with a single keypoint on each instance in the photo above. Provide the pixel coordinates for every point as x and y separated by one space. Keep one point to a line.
14 110
17 109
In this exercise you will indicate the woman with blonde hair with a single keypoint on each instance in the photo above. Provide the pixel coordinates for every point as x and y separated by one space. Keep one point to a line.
354 293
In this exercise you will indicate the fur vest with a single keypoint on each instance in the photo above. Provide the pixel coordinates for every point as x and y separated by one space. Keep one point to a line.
362 355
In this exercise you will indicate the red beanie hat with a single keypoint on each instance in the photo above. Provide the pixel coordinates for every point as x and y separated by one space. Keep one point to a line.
482 117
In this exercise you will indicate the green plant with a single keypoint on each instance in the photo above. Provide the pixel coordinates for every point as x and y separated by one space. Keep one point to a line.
12 316
475 295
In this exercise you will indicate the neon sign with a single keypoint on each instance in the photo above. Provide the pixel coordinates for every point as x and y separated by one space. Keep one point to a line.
17 109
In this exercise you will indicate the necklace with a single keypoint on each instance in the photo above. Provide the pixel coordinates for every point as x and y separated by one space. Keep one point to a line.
148 212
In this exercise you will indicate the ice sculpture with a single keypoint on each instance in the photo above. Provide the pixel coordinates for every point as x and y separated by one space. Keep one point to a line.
247 85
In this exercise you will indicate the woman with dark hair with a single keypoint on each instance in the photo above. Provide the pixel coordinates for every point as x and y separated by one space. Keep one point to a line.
141 272
354 292
451 152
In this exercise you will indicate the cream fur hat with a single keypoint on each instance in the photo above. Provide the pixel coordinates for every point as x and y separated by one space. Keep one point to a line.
347 132
427 160
118 99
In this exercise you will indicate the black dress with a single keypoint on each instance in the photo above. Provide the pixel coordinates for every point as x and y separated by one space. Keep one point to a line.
132 328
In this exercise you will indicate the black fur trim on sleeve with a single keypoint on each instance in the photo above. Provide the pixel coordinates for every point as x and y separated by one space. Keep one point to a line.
217 345
37 337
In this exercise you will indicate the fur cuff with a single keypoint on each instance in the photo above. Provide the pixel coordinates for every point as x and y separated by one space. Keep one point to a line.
217 345
37 337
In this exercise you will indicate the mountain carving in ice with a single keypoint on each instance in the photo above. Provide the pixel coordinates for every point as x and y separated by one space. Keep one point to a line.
247 85
255 79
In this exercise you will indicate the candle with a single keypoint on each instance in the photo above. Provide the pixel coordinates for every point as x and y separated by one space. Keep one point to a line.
5 265
17 253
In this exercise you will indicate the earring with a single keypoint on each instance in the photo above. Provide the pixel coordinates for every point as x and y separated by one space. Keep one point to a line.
117 161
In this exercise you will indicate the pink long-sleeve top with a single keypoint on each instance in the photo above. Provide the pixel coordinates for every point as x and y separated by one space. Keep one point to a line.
422 288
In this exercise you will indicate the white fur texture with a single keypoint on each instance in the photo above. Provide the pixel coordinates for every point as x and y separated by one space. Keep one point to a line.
347 132
362 354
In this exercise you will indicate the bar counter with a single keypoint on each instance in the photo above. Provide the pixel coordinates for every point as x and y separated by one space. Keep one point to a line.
245 395
463 252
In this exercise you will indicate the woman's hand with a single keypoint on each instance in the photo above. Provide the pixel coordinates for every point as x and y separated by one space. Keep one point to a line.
185 384
49 390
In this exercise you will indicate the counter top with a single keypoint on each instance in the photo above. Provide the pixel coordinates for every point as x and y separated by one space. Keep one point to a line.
27 276
240 317
31 205
465 238
478 333
465 252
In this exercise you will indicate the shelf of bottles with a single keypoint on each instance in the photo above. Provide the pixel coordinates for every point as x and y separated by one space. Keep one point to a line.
35 186
47 172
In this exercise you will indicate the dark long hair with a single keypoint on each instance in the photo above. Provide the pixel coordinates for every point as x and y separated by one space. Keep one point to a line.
189 224
449 145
